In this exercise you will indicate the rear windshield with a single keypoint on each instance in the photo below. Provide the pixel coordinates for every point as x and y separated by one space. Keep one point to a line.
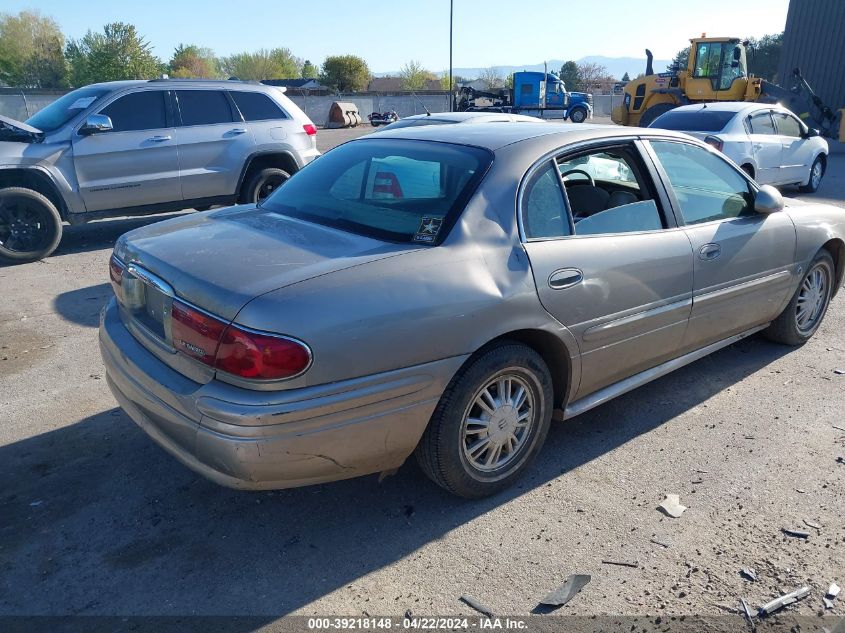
699 121
65 108
416 123
395 190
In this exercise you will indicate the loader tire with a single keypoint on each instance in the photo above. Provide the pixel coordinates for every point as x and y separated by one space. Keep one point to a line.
655 111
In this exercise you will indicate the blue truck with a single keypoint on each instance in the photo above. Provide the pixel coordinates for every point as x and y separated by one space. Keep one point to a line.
536 93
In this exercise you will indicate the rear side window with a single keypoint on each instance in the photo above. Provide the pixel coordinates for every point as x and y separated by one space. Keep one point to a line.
256 106
137 111
394 190
762 124
204 107
699 121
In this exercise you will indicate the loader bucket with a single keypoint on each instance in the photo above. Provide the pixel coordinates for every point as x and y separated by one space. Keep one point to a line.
343 114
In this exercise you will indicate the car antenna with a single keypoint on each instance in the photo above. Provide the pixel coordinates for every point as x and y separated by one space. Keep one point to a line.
427 113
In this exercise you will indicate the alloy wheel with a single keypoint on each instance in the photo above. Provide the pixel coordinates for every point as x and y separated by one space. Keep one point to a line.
812 299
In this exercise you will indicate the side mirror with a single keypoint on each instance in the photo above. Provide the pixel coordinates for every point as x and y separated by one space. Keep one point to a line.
768 200
811 132
96 123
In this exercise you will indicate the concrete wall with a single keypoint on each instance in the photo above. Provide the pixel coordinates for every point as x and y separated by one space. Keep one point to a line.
21 106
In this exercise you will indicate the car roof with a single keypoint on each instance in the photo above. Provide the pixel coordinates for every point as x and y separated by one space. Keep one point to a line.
460 117
728 106
182 83
494 136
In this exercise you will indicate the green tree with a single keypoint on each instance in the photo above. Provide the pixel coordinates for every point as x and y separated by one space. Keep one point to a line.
309 70
116 53
31 51
570 77
444 80
345 73
414 76
626 77
681 59
193 61
764 56
278 63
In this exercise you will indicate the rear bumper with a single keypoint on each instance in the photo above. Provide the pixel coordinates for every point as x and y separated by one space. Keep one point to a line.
262 440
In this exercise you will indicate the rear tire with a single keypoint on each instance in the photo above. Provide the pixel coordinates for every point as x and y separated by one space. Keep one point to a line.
803 316
490 422
815 179
748 169
262 184
655 111
30 225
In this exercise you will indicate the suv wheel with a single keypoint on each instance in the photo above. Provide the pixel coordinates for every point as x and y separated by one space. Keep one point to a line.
30 225
263 183
490 422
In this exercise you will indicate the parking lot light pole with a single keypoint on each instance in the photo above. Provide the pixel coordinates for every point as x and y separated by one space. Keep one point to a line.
451 13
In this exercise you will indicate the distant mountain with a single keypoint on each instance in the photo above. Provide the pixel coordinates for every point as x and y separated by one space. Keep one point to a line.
616 66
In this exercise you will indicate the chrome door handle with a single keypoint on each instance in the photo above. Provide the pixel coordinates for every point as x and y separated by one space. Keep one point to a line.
565 278
158 139
709 251
238 130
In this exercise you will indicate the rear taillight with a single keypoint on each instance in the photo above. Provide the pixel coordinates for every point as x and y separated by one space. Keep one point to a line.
715 142
194 333
310 130
260 356
235 350
116 269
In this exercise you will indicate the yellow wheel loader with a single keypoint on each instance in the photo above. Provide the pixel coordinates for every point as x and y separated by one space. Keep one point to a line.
717 71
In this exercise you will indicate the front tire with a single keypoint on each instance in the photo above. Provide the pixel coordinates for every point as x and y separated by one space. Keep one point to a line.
490 422
263 183
578 115
815 179
30 225
803 316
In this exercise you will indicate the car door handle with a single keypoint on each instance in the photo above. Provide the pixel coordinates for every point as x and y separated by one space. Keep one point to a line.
565 278
238 130
709 251
158 139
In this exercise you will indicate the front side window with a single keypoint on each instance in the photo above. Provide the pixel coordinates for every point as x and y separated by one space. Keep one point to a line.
708 59
706 187
256 106
137 111
762 123
389 189
204 107
787 125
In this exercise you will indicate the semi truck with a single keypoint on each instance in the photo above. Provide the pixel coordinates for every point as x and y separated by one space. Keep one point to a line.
539 94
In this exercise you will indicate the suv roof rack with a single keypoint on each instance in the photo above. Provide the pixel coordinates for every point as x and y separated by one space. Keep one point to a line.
243 81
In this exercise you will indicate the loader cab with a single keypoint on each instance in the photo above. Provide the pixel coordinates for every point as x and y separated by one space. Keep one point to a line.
717 70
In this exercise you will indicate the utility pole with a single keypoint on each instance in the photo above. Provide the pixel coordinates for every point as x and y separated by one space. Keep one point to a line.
451 92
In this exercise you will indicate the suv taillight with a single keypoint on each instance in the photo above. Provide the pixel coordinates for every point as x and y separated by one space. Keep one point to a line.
233 349
715 141
310 130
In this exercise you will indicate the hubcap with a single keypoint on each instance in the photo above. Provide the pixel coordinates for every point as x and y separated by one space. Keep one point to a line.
812 299
267 187
498 422
817 174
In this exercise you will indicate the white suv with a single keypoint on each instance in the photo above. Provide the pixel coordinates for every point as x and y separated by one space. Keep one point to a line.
143 147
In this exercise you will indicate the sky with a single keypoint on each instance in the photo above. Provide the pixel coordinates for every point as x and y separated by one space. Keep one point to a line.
388 34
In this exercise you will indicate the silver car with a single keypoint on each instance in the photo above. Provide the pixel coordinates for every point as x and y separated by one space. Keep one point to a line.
448 291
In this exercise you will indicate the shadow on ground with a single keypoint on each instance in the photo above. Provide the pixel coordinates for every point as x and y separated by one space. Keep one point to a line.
103 233
99 520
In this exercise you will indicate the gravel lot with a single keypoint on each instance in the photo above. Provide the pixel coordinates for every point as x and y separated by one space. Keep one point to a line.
96 519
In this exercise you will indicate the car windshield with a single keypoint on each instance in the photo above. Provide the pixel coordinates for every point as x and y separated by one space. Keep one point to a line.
389 189
65 108
698 121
